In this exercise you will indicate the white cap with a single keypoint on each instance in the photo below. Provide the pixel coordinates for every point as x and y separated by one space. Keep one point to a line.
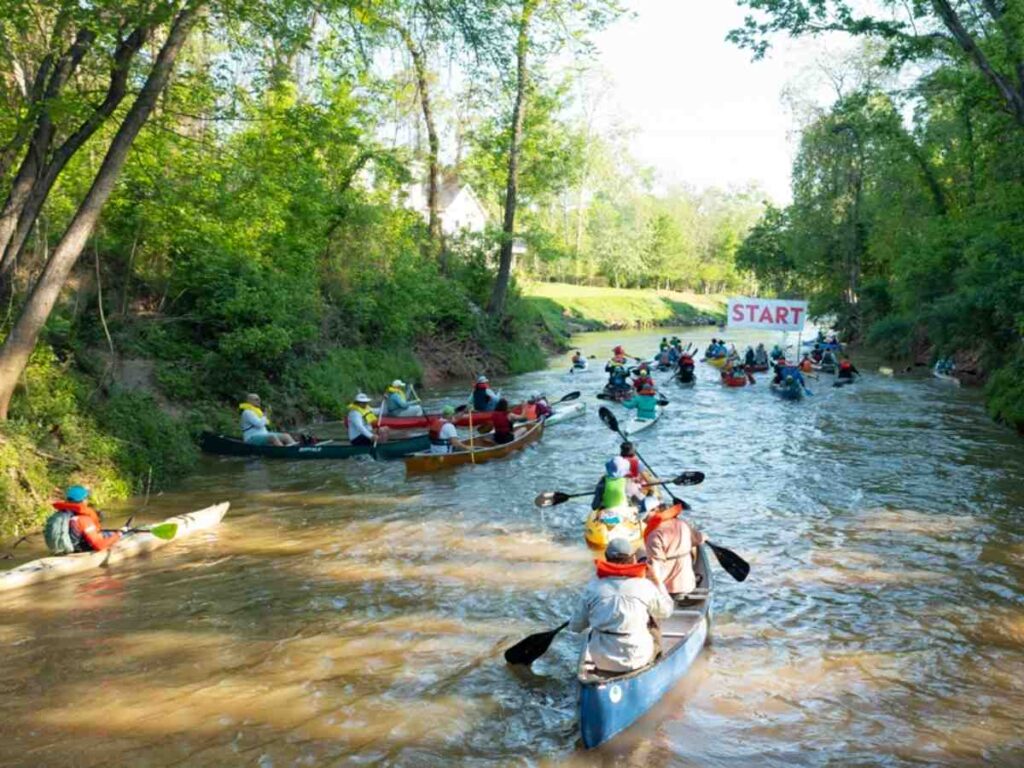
482 380
362 397
397 383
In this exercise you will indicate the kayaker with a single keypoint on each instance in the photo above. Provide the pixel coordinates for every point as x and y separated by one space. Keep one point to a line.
484 398
685 370
671 544
502 422
76 527
254 424
847 369
396 402
619 357
806 365
578 360
777 353
611 491
542 408
664 345
643 379
828 359
645 402
618 378
712 348
748 356
445 439
761 355
618 606
362 421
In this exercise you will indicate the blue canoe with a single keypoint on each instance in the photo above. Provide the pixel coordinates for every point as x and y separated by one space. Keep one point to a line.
794 392
610 703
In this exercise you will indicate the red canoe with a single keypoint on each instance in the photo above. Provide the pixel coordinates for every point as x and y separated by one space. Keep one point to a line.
461 420
734 381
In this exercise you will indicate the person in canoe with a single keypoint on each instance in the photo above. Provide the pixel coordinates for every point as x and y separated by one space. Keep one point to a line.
618 606
579 362
671 544
541 407
644 402
363 421
445 439
748 356
806 364
847 370
684 372
76 527
397 403
484 398
255 422
828 360
760 355
502 421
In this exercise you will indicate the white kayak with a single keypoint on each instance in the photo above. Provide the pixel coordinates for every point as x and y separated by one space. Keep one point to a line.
132 545
950 379
633 425
566 411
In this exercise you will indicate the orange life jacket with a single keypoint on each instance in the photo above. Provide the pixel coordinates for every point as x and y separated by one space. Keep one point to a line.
660 517
77 508
606 570
845 365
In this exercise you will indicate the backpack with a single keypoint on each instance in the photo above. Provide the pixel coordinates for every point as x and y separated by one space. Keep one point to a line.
57 533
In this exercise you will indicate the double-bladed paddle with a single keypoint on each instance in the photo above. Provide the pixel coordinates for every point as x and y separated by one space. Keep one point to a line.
733 564
554 498
165 531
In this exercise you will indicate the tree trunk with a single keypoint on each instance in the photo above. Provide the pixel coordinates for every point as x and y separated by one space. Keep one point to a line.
21 341
435 246
496 307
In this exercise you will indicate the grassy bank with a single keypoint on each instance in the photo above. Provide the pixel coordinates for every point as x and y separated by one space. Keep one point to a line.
565 309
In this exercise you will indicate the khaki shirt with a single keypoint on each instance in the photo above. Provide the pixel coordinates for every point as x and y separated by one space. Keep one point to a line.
670 546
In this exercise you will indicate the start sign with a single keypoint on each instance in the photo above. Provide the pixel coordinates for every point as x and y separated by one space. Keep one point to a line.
768 314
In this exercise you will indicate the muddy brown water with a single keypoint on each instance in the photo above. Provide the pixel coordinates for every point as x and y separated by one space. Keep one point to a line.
344 615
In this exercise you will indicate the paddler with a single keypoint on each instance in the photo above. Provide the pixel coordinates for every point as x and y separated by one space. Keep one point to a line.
578 360
645 402
612 490
806 365
847 369
75 526
396 400
643 379
363 421
483 397
761 354
618 374
748 356
445 439
254 424
671 544
618 606
541 407
777 353
502 422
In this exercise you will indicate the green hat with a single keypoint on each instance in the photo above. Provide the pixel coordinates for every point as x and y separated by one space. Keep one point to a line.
448 411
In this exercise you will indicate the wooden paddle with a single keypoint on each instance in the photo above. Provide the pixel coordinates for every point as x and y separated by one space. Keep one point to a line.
554 498
732 563
533 647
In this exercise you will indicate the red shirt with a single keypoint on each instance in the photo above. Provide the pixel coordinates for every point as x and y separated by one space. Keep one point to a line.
501 422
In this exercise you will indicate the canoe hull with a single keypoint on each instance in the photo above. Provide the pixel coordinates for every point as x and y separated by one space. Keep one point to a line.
716 362
49 568
222 445
598 533
479 418
734 381
609 706
565 412
787 393
432 462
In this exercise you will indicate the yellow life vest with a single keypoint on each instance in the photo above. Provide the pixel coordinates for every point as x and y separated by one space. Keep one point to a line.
368 414
394 391
258 412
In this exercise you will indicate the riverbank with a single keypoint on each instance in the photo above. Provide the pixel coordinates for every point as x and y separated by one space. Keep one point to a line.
565 309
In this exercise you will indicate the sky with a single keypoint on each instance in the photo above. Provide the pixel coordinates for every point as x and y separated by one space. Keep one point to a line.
701 112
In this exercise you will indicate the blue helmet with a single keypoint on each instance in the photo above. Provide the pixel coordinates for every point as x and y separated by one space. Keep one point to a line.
77 494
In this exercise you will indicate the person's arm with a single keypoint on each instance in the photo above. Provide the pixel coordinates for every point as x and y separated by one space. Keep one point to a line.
361 426
661 604
93 535
581 614
631 403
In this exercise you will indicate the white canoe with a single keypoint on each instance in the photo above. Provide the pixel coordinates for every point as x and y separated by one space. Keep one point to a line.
633 425
566 411
49 568
946 378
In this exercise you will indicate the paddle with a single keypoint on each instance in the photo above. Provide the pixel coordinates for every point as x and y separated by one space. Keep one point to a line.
732 563
533 647
165 531
554 498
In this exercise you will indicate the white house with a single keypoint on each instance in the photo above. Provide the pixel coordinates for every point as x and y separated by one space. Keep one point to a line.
458 205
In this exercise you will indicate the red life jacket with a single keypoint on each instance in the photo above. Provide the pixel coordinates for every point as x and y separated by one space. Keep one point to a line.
845 365
660 517
606 570
77 508
634 466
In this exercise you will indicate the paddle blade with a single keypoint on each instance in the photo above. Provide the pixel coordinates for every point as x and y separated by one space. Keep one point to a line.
689 478
165 531
532 648
551 498
608 418
571 396
732 563
663 402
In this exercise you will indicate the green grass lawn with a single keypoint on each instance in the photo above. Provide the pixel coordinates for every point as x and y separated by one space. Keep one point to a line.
565 308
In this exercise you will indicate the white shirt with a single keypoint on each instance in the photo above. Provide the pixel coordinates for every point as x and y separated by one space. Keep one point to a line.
253 425
620 605
357 426
447 432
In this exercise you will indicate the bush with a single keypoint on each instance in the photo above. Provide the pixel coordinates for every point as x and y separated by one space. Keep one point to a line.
893 336
1005 391
331 383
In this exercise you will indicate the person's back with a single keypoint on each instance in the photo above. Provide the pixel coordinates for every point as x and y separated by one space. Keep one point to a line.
502 424
669 544
76 527
644 403
253 423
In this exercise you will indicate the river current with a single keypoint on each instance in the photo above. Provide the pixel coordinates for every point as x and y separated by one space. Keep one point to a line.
343 614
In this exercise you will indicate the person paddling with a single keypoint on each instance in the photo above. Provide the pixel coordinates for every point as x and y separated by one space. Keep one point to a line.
484 399
612 490
847 370
255 422
618 606
541 407
396 400
76 527
644 402
445 438
643 379
502 422
671 544
362 422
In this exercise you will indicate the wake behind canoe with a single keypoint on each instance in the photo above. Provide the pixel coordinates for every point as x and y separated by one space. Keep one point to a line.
49 568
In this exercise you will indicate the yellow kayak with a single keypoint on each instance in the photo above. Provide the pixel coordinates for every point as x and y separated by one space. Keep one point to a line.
717 362
604 525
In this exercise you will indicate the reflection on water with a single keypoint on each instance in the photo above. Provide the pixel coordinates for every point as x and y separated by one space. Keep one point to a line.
343 614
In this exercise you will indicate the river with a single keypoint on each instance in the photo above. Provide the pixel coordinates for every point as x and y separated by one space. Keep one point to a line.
345 615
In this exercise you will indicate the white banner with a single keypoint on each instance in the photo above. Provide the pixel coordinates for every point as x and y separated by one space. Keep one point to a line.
768 314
